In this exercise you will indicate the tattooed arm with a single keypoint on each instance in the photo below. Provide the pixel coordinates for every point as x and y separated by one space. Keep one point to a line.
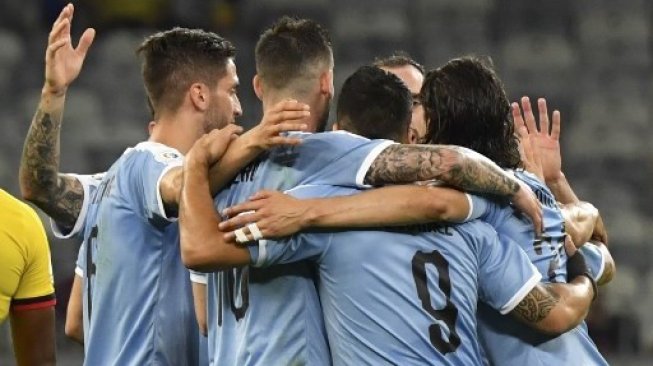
456 166
60 196
556 308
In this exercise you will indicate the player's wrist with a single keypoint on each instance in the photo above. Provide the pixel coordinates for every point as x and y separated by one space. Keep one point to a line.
557 179
51 91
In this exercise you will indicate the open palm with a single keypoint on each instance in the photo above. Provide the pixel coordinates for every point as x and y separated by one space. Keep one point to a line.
63 62
546 143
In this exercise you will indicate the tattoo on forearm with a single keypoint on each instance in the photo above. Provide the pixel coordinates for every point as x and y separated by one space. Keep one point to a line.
60 196
537 304
452 165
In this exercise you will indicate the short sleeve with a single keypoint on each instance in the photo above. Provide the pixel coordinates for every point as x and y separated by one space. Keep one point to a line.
80 264
90 184
147 168
594 259
336 158
265 253
198 277
36 288
478 207
506 275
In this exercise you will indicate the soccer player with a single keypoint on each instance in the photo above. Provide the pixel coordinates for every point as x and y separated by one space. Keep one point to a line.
294 59
465 104
412 74
137 300
26 288
374 285
545 151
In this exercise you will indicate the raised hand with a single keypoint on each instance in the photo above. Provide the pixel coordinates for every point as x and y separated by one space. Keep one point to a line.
63 62
211 147
530 155
283 117
545 137
276 214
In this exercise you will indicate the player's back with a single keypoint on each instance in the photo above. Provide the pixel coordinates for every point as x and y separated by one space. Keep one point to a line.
408 296
509 342
262 316
137 299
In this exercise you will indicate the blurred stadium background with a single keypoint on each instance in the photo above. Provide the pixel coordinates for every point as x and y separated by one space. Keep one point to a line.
590 58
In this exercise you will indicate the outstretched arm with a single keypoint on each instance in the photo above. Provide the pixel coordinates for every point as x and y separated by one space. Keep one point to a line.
455 166
58 195
283 117
277 214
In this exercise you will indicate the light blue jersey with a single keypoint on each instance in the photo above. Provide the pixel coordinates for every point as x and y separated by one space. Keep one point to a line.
137 299
509 342
272 316
405 296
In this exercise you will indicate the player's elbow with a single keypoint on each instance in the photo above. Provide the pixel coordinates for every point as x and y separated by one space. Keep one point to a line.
561 320
73 330
201 261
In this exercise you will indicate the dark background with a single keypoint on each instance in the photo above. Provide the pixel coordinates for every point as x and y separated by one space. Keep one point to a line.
590 58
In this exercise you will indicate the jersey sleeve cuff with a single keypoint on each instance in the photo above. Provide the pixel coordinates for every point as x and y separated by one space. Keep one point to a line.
79 272
367 163
57 230
594 256
33 303
198 277
521 293
258 253
159 199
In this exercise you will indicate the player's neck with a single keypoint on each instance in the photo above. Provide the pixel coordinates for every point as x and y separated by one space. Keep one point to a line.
170 131
312 121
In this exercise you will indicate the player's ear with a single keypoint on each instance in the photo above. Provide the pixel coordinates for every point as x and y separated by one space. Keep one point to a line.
335 126
326 83
258 87
199 96
412 135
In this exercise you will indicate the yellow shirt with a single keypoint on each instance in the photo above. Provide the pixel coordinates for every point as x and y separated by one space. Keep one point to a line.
25 269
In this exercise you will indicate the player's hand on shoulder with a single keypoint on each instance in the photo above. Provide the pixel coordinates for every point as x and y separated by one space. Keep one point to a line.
526 202
274 213
284 116
63 62
210 148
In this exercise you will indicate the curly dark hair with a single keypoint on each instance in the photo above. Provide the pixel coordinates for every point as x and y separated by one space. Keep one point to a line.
465 104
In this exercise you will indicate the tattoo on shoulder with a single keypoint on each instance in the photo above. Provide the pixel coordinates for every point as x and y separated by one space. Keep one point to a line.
452 165
537 304
59 195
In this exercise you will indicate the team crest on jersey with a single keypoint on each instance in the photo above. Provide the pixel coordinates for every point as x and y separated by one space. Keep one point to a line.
170 155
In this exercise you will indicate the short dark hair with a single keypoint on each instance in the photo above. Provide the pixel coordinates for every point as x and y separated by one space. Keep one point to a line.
289 48
465 104
375 104
398 59
175 59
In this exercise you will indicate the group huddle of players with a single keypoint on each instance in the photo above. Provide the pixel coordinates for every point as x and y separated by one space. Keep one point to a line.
433 226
